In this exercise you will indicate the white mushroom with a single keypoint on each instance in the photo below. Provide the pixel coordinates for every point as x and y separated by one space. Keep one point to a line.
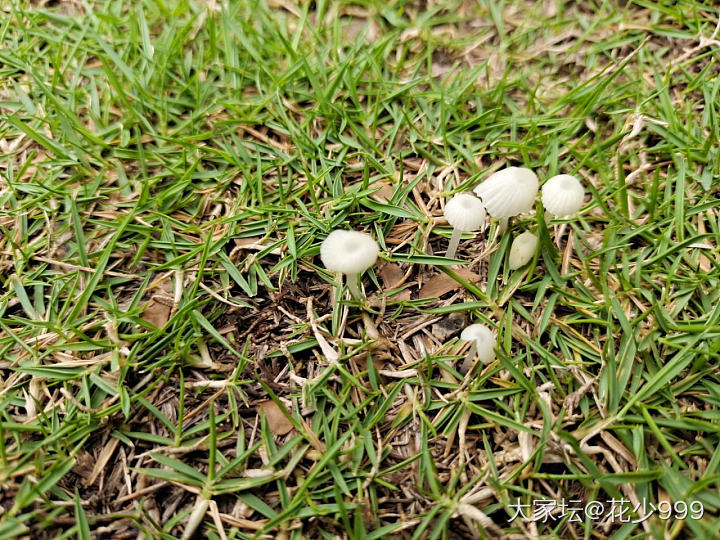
465 213
350 253
563 195
522 250
508 192
482 344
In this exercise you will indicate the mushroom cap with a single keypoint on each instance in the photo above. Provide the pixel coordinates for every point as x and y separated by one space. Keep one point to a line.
349 252
509 192
484 341
522 250
563 195
465 212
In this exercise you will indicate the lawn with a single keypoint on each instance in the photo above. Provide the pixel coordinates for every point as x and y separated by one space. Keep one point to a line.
175 360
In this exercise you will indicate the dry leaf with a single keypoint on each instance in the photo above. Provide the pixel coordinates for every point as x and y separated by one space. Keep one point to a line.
438 285
258 473
705 263
276 419
385 193
157 312
402 296
400 233
102 460
448 326
248 242
393 277
525 440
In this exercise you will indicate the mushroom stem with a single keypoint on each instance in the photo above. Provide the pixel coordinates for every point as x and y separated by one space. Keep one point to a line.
559 233
352 282
469 358
453 244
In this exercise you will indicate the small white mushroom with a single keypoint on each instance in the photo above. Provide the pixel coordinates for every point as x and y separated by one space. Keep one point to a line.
465 213
508 192
482 344
522 250
350 253
563 195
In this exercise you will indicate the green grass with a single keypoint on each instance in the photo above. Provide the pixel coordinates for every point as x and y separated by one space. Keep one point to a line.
168 171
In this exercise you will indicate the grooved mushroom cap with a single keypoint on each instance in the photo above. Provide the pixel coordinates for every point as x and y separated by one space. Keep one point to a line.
465 212
484 341
349 252
509 192
563 195
522 250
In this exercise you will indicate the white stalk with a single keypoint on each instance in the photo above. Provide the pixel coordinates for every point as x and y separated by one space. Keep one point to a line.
469 358
453 244
352 282
503 224
559 233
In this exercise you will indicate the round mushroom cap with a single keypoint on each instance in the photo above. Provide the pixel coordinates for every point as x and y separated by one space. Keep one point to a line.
465 212
509 192
484 341
349 252
563 195
522 250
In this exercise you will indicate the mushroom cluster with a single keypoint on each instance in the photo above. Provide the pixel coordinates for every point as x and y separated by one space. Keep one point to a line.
508 193
504 194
